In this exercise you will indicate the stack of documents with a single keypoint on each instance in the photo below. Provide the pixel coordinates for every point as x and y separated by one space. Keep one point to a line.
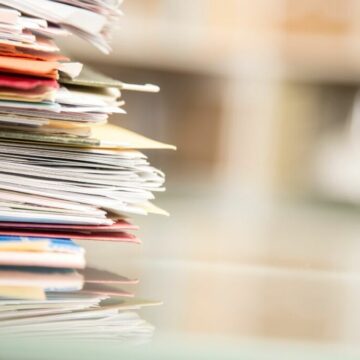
89 19
65 174
38 302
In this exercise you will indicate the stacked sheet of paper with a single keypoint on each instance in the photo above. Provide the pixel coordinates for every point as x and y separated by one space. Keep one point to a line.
90 19
65 174
54 303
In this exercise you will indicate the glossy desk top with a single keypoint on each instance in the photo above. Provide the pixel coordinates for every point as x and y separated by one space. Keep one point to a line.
255 301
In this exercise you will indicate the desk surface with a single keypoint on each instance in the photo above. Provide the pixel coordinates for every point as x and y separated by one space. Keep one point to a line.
225 311
271 295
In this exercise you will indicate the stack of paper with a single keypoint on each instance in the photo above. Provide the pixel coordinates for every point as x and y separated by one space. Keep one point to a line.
90 19
35 302
65 174
40 251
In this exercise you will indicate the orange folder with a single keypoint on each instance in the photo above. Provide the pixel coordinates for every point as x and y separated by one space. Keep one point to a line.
47 69
12 51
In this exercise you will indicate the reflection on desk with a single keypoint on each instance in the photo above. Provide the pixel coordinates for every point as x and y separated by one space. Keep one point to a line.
65 304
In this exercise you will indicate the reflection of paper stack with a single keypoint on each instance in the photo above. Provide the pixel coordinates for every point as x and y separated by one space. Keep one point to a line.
65 174
66 303
32 284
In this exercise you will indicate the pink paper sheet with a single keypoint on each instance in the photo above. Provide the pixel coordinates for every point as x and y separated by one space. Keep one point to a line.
120 225
26 82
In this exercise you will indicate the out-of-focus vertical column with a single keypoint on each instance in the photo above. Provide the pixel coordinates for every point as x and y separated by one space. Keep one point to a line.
247 160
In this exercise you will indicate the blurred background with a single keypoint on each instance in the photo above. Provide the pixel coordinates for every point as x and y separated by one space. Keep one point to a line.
262 100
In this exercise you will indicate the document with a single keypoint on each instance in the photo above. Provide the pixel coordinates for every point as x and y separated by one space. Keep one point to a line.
66 174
